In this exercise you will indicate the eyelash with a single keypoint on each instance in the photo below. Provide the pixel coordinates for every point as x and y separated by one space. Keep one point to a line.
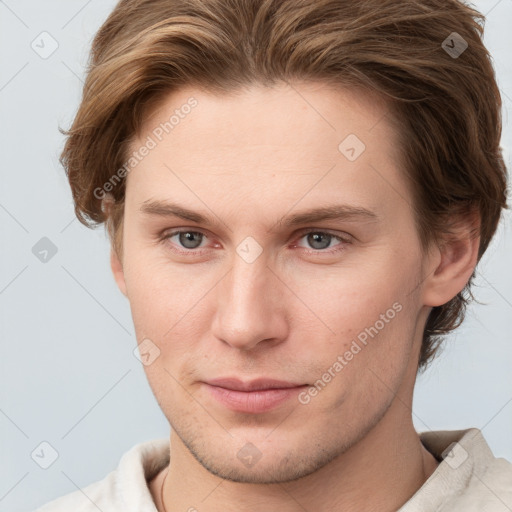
344 240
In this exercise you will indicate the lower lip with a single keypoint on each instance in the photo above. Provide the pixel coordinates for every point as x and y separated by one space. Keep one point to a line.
253 401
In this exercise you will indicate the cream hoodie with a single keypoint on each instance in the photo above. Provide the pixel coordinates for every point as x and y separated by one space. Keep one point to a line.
469 479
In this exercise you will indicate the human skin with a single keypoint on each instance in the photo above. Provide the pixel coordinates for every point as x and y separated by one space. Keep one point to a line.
247 160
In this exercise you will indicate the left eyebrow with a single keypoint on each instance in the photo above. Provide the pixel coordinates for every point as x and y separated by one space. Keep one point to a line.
341 212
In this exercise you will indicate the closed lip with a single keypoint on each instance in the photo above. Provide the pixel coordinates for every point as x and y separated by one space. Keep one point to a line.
253 385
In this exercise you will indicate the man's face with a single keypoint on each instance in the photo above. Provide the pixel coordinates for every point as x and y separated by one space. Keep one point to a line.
249 296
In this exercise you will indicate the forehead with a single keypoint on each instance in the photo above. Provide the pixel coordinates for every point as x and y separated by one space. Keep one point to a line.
291 109
297 140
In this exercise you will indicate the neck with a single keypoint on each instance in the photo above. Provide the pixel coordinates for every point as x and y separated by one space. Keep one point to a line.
380 472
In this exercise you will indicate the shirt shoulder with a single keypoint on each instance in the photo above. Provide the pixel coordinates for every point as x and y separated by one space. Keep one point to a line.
125 488
469 478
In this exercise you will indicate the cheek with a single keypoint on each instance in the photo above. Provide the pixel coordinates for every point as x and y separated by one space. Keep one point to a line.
373 315
371 292
169 307
159 287
364 366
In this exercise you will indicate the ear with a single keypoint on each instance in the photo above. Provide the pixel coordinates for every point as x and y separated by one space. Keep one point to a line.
117 269
452 262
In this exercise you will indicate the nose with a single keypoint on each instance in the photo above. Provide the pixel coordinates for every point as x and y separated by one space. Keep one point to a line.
250 306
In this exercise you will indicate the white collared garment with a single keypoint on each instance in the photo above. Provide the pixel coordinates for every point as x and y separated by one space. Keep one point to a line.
469 479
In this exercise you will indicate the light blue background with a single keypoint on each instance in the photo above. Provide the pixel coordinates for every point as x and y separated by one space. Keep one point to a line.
68 374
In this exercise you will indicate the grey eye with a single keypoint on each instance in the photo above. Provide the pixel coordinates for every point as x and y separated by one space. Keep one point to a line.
318 240
188 239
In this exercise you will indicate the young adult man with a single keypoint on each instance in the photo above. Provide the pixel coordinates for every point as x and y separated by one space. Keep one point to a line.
297 197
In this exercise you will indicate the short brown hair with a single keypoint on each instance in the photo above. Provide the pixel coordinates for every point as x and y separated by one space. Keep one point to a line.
447 107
